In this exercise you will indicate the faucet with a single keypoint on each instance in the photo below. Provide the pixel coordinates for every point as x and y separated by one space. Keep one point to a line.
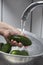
29 9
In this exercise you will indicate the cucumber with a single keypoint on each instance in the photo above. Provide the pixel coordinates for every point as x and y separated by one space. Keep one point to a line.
1 44
18 52
15 52
19 38
25 53
6 48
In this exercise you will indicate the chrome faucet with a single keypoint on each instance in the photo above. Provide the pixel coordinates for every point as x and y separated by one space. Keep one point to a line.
30 8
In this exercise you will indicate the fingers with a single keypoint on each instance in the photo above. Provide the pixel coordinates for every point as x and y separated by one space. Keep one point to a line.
20 44
14 43
7 33
16 31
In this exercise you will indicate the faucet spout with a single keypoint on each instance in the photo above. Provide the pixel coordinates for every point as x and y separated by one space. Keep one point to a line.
30 8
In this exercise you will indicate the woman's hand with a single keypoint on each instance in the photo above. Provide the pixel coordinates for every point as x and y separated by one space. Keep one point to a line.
7 30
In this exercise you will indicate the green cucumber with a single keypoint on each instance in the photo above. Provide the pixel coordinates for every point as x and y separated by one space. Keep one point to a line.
6 48
18 52
19 38
1 44
25 53
15 52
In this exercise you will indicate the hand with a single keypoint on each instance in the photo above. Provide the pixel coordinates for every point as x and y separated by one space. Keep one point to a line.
7 30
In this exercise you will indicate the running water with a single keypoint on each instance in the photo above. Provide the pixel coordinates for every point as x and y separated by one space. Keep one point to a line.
23 23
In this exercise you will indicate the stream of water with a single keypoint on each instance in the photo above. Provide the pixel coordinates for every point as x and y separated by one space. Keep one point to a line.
23 23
